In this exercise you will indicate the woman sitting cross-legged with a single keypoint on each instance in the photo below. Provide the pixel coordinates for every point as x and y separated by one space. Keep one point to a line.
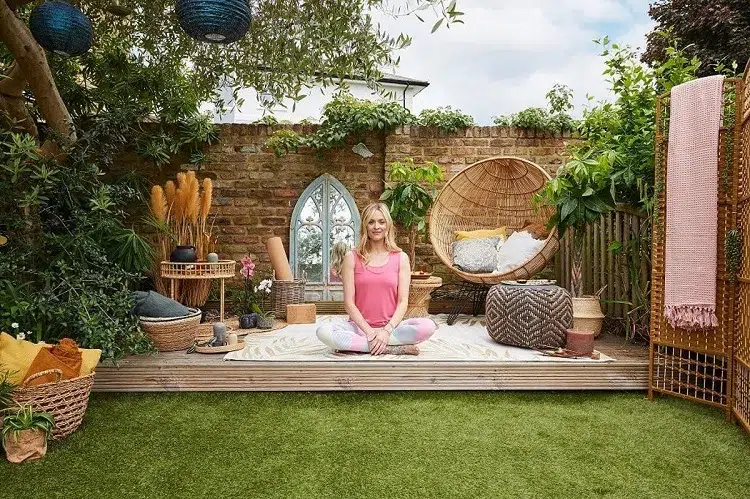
376 279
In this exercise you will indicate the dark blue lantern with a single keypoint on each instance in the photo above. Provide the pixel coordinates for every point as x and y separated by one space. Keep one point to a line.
214 21
61 28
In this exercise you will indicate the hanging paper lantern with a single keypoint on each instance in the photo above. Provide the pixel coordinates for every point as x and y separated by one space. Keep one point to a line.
214 21
61 28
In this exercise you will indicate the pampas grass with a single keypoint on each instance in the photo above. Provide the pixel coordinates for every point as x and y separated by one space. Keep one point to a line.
180 213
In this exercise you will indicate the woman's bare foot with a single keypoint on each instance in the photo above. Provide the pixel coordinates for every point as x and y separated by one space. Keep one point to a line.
402 350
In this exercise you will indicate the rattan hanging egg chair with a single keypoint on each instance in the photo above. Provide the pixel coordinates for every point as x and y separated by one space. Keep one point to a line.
492 193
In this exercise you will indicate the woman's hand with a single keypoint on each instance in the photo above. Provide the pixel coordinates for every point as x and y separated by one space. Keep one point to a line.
379 342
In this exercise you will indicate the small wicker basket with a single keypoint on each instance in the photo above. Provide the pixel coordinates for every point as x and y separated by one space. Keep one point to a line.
284 293
172 333
65 399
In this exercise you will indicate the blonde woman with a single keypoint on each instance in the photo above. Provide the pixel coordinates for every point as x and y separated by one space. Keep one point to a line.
376 277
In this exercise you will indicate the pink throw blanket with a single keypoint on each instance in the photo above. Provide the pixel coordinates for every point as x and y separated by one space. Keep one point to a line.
691 193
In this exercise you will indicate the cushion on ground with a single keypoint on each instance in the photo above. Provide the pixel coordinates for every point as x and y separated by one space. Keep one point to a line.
152 304
529 316
476 255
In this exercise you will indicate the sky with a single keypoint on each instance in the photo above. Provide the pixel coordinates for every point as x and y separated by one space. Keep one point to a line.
508 54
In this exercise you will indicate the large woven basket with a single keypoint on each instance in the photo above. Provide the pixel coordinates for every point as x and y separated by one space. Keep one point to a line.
492 193
172 333
284 293
65 399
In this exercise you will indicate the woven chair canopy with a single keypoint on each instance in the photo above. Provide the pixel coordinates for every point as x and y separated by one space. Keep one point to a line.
492 193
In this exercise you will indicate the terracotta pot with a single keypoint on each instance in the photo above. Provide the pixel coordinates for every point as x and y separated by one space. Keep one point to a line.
25 445
587 314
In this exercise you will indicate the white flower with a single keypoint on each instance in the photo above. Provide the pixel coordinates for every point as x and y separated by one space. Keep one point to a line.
41 342
14 325
20 336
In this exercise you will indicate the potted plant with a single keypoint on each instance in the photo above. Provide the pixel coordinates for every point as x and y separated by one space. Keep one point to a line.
246 302
582 192
265 320
409 195
25 434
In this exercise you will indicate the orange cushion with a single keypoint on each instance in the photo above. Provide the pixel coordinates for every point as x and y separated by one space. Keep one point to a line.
44 360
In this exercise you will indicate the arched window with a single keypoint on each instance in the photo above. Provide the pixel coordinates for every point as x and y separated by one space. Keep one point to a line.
324 215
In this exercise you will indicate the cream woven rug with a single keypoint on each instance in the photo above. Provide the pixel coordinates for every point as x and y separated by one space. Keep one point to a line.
466 340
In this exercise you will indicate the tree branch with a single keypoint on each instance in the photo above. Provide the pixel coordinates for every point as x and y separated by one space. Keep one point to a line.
13 102
32 61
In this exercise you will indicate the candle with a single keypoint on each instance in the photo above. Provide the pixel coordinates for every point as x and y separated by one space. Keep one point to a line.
232 339
581 342
220 333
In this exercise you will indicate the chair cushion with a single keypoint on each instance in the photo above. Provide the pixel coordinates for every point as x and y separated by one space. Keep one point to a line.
476 255
152 304
481 234
518 249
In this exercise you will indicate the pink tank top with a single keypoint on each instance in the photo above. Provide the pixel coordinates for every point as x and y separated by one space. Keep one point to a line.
376 289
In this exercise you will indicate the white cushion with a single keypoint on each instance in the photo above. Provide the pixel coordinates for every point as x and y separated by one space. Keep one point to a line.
517 250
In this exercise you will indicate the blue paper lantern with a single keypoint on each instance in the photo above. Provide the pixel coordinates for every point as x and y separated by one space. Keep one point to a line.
61 28
214 21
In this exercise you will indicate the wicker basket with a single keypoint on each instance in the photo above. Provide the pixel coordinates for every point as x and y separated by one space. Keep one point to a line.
172 333
284 293
65 399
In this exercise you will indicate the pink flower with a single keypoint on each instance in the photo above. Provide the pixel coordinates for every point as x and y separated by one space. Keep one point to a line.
248 267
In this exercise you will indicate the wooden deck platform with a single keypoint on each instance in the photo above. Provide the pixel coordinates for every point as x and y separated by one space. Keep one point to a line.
177 371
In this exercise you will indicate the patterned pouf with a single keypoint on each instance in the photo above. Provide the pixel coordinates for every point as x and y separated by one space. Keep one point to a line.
529 316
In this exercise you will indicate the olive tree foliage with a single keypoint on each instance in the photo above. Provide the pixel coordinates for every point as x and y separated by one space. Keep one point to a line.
291 45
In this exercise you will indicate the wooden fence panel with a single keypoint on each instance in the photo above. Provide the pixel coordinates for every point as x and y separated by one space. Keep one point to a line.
603 267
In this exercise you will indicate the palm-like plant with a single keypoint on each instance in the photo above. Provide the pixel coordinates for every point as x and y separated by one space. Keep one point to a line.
410 195
582 192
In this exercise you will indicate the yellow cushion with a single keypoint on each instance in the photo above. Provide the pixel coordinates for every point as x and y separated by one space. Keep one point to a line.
480 234
90 360
16 356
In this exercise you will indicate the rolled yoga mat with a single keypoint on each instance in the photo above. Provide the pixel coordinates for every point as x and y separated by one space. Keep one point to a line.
279 260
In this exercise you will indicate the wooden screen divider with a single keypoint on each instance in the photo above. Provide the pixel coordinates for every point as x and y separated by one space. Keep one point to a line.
710 367
741 346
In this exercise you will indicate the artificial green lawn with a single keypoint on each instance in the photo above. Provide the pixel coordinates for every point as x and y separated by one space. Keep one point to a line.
384 445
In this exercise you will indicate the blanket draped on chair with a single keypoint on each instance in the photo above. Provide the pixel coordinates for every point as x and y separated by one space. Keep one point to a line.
691 204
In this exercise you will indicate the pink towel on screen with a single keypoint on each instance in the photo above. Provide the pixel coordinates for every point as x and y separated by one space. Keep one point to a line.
691 204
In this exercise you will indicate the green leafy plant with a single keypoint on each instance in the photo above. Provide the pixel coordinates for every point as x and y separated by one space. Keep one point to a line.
410 192
27 419
554 119
345 117
581 192
446 118
6 390
283 142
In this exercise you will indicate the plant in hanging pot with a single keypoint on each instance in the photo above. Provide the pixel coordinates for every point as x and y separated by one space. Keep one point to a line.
582 192
409 196
25 434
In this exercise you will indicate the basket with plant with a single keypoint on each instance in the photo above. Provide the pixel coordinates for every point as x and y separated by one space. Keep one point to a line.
25 434
179 213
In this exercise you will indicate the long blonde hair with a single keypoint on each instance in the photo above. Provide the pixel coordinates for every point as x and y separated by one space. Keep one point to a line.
338 252
363 247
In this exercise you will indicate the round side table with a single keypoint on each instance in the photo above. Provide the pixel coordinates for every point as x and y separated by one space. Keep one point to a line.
223 269
419 296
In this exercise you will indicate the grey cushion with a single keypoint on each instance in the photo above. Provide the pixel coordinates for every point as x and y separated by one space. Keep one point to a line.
476 255
152 304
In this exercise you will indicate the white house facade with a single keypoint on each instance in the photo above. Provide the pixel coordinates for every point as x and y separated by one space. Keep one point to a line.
393 88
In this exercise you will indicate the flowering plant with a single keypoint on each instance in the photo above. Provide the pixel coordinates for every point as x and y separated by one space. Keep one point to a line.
247 300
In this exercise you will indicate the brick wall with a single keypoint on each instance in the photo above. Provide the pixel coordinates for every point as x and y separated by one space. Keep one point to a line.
255 192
